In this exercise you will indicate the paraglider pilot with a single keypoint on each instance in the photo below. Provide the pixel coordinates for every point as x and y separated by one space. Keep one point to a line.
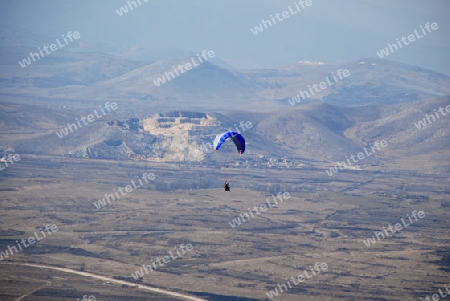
227 186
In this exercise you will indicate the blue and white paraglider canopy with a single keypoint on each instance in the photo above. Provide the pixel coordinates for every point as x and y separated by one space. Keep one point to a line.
237 138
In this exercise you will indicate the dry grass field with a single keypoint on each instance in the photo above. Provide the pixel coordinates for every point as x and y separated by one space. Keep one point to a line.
324 220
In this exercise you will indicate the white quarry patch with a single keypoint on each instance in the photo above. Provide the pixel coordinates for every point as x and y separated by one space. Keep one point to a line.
175 139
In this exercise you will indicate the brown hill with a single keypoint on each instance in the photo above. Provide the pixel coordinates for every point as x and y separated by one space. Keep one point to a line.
314 134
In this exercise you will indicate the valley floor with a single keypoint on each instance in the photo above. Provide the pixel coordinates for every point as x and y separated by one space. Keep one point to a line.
325 220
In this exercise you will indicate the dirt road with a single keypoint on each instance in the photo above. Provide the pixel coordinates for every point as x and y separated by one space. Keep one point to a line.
112 280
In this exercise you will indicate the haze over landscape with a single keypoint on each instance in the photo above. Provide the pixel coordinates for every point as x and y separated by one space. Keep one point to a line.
110 187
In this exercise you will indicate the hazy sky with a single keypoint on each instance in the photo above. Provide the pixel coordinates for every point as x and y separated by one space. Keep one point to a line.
329 30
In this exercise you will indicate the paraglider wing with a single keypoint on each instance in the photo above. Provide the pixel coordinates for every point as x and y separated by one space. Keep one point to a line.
237 138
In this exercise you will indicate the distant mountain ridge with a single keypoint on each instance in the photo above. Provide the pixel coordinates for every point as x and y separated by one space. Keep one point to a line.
76 76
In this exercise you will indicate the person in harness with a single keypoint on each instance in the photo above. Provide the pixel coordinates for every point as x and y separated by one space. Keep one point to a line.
227 186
